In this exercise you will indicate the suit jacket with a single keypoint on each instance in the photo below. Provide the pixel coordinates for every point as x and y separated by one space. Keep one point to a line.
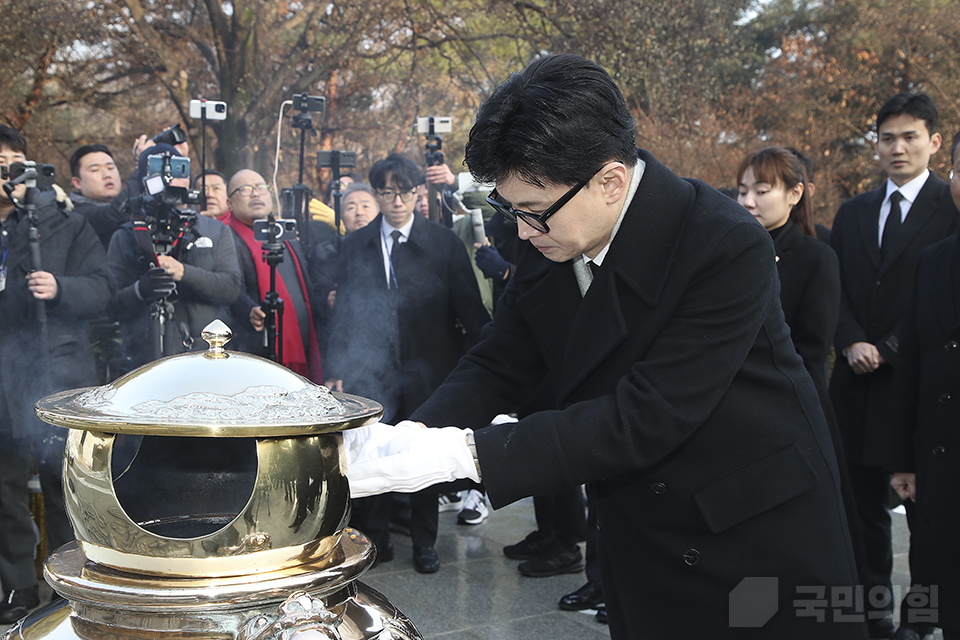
677 391
71 251
923 434
874 295
397 345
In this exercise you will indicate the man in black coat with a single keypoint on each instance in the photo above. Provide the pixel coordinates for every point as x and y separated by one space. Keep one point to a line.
407 307
878 255
36 359
923 436
648 306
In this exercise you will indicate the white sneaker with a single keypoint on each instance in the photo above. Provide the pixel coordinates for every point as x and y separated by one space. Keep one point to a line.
449 502
474 508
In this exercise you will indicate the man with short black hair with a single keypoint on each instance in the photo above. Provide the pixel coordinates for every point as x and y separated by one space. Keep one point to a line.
407 307
98 186
215 186
645 309
878 237
36 359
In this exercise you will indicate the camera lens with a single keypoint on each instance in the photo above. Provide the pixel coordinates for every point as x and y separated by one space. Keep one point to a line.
220 108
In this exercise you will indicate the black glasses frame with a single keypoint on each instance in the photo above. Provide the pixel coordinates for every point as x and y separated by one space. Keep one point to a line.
537 221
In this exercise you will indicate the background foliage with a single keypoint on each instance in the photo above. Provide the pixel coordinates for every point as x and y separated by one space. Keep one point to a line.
708 80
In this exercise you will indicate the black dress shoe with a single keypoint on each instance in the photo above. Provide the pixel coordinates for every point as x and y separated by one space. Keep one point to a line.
18 603
586 597
553 563
601 616
425 560
882 628
528 548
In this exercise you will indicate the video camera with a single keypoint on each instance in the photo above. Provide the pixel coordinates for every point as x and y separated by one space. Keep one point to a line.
170 227
29 173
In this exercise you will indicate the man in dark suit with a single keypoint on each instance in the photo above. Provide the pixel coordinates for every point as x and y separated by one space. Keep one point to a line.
878 252
647 307
924 439
407 307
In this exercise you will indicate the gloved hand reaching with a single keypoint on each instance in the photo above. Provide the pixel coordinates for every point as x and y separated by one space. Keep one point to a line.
406 458
491 263
155 284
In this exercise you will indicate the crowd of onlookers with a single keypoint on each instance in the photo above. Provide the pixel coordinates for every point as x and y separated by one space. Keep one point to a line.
384 304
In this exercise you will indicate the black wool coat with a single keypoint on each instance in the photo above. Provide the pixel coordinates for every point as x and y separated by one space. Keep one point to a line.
675 390
810 297
71 251
874 295
924 427
397 345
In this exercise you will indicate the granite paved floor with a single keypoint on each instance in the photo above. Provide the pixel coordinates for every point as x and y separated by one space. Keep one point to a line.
479 595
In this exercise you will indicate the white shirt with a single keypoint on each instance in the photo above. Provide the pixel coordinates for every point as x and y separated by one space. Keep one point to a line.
386 242
909 191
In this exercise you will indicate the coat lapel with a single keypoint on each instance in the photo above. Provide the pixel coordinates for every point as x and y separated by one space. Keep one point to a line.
632 276
921 211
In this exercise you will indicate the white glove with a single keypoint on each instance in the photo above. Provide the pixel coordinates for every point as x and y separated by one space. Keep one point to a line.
405 458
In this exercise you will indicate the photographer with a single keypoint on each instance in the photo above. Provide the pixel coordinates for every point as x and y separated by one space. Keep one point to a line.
250 200
195 279
37 358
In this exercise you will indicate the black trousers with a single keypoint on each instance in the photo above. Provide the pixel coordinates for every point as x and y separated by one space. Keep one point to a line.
18 541
560 516
871 492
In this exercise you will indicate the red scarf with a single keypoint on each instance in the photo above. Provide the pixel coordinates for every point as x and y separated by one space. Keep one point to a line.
293 356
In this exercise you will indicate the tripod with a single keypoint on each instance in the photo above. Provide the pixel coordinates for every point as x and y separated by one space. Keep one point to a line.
272 304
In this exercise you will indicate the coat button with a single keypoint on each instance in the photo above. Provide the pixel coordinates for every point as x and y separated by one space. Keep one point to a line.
945 398
939 450
691 556
952 345
658 488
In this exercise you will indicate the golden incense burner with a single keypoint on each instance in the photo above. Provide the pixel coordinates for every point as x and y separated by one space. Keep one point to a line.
209 499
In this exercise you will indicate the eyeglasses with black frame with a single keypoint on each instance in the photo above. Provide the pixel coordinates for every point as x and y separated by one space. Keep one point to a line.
390 196
537 221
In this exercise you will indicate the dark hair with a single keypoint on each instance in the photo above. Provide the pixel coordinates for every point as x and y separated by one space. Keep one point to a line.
777 166
404 172
556 122
918 105
808 165
208 172
83 151
953 149
12 139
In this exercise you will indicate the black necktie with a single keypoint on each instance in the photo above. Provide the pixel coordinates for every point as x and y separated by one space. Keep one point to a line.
892 226
396 234
594 267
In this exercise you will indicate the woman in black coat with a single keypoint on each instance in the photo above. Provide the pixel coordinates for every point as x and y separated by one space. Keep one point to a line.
772 188
772 184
